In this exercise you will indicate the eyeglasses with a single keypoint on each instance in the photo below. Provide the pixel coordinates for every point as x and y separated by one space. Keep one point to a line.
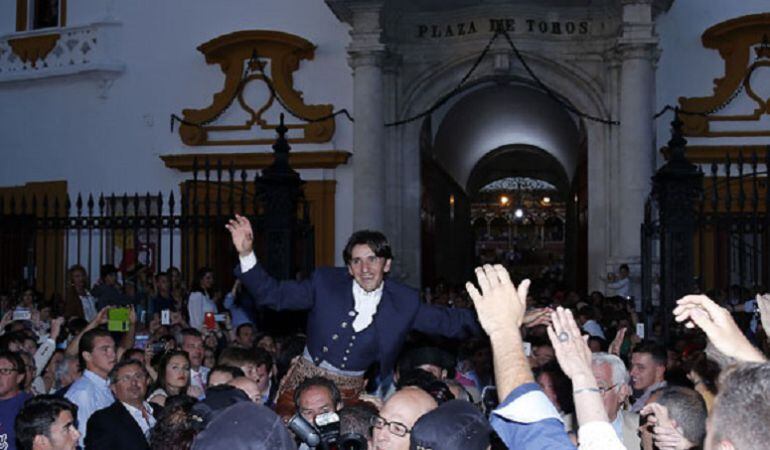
604 390
8 370
139 376
397 428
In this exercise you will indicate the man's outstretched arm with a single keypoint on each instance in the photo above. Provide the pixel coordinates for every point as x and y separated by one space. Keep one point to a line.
264 289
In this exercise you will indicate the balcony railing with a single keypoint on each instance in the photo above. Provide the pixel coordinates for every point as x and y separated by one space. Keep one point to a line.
55 52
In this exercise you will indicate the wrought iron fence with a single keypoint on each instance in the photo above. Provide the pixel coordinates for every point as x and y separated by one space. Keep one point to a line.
724 245
41 236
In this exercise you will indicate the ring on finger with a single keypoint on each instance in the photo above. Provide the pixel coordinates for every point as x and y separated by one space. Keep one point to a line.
563 336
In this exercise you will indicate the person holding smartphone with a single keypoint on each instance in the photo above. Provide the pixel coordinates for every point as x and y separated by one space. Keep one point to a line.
200 302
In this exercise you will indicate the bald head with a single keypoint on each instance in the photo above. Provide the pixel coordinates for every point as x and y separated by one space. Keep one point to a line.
248 386
404 407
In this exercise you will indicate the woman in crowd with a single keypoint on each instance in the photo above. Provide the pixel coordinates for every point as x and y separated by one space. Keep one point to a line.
173 378
176 425
178 288
78 302
200 301
558 388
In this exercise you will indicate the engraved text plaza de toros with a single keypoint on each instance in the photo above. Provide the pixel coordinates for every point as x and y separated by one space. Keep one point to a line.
510 25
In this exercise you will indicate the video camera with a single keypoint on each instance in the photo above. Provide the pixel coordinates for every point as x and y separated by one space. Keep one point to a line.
327 433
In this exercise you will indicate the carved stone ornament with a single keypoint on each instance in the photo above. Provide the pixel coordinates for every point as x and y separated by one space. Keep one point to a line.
743 45
242 56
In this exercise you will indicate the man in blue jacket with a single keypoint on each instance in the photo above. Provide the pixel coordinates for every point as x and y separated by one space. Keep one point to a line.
356 318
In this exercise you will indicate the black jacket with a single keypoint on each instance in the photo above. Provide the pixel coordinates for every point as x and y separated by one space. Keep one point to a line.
113 428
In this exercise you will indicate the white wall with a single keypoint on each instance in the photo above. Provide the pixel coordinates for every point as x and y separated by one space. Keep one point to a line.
60 128
688 69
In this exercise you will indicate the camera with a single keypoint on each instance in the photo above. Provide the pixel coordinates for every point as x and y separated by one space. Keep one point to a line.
326 433
489 400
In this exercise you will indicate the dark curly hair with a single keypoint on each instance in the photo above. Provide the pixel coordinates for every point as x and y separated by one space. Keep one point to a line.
177 425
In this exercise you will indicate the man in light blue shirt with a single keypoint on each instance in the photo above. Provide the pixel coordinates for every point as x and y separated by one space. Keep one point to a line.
92 391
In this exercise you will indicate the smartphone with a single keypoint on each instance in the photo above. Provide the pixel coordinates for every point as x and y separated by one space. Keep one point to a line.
117 319
140 341
220 317
527 349
640 330
158 347
165 317
209 321
22 314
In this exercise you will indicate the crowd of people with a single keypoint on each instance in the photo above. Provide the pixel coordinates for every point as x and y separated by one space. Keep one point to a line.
490 364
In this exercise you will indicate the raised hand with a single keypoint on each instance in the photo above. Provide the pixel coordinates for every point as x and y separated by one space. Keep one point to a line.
617 343
500 305
539 316
243 237
571 349
719 326
666 434
56 325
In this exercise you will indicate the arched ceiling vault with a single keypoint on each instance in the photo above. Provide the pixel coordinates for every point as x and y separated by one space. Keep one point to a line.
507 130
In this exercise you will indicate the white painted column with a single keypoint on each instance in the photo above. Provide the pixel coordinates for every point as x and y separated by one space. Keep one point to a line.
637 51
366 58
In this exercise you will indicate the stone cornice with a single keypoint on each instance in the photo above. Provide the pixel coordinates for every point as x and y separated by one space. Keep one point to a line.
328 159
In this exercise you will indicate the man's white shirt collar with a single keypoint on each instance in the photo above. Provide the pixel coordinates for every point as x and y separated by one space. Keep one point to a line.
96 379
365 304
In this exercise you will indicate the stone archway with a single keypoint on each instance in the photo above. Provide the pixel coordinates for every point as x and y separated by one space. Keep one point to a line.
606 71
494 132
582 92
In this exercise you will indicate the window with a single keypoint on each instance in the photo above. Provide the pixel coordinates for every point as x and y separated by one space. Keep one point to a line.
40 14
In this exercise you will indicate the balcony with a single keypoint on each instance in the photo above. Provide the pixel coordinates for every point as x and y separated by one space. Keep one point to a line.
55 52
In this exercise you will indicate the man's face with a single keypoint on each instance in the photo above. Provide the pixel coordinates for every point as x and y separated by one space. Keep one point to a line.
250 371
193 345
246 337
131 385
29 346
72 373
263 377
404 407
64 434
314 401
162 283
542 355
9 382
612 398
644 371
248 387
217 378
102 358
367 268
